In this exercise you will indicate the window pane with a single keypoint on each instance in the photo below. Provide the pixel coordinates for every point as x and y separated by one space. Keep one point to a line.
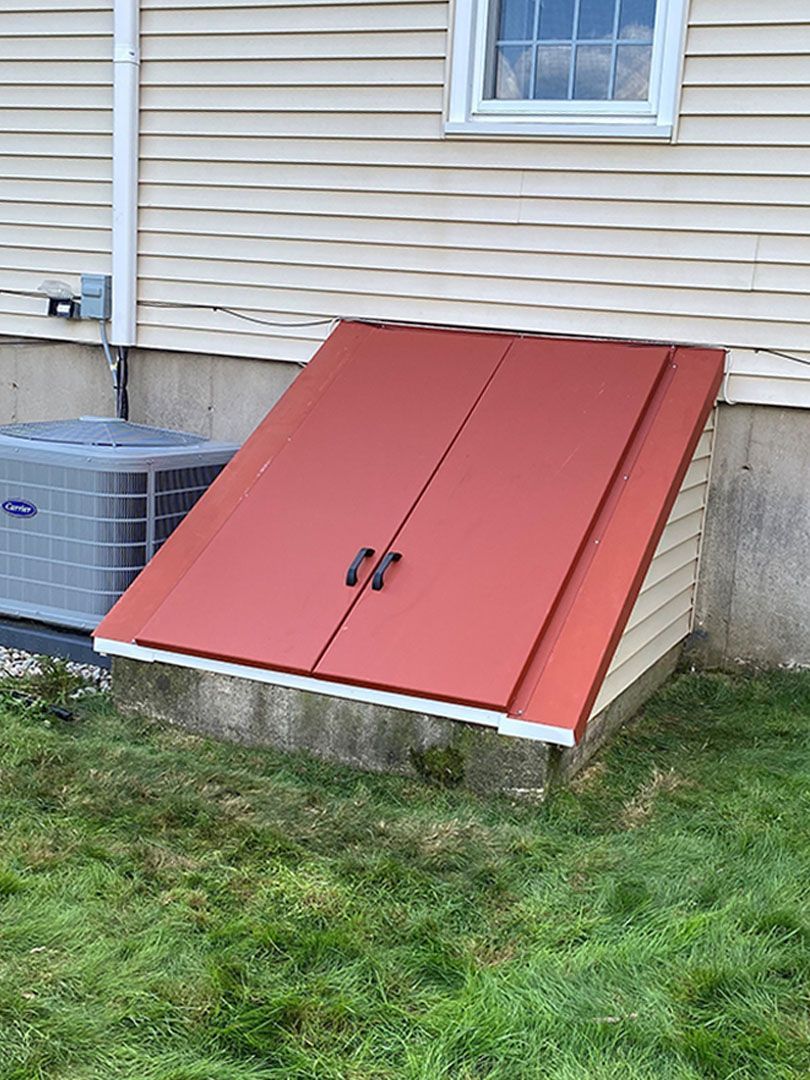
513 72
592 73
516 21
553 67
636 19
632 72
596 18
556 20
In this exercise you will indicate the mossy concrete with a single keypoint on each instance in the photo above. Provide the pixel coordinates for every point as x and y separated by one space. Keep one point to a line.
365 736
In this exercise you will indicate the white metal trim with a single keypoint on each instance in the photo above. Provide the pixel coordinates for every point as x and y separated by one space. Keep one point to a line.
448 709
527 729
126 86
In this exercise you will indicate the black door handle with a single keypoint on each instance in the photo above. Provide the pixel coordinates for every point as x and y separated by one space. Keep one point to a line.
351 573
377 580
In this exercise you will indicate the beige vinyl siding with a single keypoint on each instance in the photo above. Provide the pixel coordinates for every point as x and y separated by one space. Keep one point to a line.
328 189
294 166
662 615
55 144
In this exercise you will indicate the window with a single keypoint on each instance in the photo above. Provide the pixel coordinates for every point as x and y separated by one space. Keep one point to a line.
566 67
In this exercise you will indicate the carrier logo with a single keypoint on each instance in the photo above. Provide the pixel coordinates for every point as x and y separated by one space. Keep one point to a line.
19 508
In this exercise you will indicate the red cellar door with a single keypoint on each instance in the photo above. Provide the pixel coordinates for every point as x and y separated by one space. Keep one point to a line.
491 543
270 589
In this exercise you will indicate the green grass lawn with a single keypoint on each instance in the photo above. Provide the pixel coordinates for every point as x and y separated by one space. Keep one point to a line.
175 909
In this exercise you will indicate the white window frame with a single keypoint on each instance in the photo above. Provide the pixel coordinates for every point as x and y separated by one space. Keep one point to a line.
469 113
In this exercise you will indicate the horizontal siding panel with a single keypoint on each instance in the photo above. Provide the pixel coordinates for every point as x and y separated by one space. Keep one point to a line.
748 12
475 287
71 75
750 101
304 264
764 365
51 6
678 215
778 277
266 125
79 122
697 473
46 47
589 185
24 268
225 102
529 155
794 391
657 595
764 70
624 674
59 145
173 184
751 130
67 21
671 561
301 73
689 500
679 528
76 85
345 124
62 212
349 43
226 211
204 331
572 320
29 324
203 6
784 249
52 199
676 611
773 37
46 171
469 236
227 22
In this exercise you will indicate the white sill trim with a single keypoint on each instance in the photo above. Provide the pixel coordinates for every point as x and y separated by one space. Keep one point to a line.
465 713
565 129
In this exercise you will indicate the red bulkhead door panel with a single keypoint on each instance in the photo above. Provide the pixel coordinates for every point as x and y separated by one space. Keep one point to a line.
490 544
270 587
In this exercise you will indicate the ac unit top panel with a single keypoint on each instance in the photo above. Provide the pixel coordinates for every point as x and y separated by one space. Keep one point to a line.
107 443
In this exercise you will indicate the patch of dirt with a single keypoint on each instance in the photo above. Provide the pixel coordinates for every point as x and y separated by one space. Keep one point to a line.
638 810
588 777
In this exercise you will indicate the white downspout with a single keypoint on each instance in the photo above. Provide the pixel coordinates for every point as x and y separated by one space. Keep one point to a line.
126 80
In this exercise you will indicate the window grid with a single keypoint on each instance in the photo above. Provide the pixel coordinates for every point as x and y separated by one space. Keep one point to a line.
574 43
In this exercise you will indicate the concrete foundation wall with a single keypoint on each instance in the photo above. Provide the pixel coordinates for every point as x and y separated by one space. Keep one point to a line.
219 397
753 600
366 736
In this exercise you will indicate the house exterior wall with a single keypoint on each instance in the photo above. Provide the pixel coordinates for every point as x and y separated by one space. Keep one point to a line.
293 166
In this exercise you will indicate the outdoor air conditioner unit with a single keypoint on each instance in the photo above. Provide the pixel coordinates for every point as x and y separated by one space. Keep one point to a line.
85 504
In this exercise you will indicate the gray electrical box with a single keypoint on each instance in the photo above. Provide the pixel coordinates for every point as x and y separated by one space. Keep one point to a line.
96 300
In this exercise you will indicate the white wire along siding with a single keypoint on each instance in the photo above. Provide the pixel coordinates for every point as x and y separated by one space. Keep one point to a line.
294 167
